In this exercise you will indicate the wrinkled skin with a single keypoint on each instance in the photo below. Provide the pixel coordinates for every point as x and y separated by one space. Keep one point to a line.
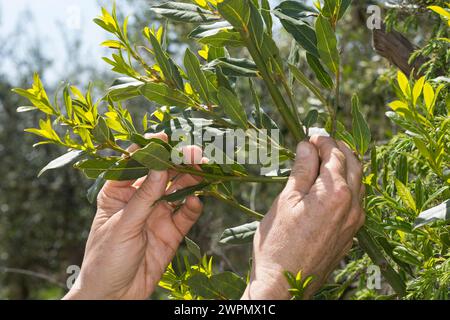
311 225
133 239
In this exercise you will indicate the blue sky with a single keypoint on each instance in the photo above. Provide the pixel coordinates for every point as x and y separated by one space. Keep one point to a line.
48 17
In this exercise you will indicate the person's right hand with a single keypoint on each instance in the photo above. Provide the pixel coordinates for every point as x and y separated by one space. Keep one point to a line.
311 225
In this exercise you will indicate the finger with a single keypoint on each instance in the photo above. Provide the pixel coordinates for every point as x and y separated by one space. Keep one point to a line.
192 155
141 204
188 214
305 170
159 135
334 166
131 149
354 170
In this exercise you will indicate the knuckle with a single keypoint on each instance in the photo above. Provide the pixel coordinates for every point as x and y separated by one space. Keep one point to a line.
342 194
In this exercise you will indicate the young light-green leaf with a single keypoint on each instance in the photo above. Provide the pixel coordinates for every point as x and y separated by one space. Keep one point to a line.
405 195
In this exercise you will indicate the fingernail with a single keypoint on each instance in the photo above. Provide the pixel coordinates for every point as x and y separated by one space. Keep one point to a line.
148 136
304 150
156 176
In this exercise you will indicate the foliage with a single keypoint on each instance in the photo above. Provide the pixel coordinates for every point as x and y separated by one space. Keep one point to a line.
404 177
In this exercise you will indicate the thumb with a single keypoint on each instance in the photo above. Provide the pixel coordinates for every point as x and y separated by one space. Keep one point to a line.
305 169
141 204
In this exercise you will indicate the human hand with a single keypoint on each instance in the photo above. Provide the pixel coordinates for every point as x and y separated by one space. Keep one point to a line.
133 239
311 225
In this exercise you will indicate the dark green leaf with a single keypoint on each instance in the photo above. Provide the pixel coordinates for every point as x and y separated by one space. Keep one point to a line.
307 83
229 285
196 76
184 12
112 169
320 72
311 118
168 68
154 156
102 133
327 44
239 235
165 96
236 12
95 189
206 30
295 9
301 31
223 38
233 107
267 16
193 248
180 195
233 67
124 89
201 286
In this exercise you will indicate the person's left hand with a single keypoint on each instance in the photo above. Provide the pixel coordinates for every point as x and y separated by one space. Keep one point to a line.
133 237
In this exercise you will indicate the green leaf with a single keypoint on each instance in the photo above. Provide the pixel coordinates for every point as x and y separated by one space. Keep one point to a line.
438 213
233 107
168 68
327 44
196 76
256 25
239 235
180 195
301 31
307 83
165 96
206 30
361 131
62 161
124 89
154 156
193 248
320 72
236 12
200 285
295 9
112 169
343 135
229 285
184 12
311 118
345 4
405 255
95 189
102 133
267 16
405 195
233 67
223 38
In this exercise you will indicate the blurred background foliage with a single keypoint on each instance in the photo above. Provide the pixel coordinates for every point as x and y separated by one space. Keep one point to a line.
44 222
